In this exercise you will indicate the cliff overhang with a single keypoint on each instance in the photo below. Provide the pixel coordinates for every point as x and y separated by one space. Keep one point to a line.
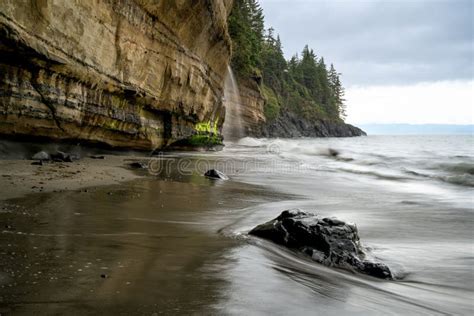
125 73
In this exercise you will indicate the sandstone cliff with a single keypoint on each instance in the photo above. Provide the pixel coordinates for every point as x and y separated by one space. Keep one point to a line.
251 108
126 73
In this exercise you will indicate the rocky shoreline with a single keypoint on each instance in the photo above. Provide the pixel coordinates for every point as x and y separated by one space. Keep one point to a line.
290 125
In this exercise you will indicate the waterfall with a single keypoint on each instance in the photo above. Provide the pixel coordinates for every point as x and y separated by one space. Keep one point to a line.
233 128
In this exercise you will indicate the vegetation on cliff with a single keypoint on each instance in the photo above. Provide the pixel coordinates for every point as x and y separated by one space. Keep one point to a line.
304 85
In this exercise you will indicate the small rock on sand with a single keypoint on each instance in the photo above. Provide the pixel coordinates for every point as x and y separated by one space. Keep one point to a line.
138 165
42 155
216 174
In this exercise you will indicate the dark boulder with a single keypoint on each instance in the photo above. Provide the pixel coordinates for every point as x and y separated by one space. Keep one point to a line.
138 165
60 156
328 241
216 174
333 152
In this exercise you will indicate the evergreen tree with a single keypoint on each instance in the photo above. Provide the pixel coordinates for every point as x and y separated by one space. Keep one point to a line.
246 28
337 92
302 84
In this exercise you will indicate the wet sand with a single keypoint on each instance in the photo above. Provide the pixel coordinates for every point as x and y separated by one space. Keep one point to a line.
144 246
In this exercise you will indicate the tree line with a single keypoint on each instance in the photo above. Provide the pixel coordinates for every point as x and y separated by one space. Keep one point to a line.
304 84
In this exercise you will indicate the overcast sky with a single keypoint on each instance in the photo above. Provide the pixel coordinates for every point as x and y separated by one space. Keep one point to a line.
402 61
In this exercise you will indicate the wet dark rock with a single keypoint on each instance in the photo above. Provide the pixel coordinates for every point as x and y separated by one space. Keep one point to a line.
333 152
97 157
37 163
104 276
329 241
289 125
216 174
42 155
138 165
60 156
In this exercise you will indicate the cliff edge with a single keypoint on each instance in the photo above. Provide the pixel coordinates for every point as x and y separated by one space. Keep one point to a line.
126 73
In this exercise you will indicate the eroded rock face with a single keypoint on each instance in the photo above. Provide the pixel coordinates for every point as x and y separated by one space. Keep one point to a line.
288 124
329 241
127 73
253 118
291 125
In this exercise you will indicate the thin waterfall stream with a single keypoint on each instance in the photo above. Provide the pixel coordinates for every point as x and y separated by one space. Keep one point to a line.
233 128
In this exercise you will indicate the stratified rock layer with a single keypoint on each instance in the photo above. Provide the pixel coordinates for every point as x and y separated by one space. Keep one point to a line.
329 241
253 117
126 73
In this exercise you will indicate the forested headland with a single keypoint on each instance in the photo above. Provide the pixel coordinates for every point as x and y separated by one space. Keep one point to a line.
304 85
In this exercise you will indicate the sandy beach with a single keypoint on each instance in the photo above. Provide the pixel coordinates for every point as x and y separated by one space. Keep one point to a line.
20 177
95 235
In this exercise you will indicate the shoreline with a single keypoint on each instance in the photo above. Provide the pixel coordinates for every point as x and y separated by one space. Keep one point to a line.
174 238
98 250
19 178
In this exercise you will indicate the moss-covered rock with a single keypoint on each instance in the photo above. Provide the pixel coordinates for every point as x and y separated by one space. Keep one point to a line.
198 142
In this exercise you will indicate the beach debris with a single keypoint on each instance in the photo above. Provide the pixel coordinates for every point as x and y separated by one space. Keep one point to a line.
42 155
96 157
37 163
216 174
138 165
328 241
58 156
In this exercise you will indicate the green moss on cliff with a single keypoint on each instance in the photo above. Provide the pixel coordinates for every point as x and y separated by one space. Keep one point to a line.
205 140
272 106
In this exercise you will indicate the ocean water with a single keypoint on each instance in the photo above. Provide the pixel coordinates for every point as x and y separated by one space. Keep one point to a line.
412 199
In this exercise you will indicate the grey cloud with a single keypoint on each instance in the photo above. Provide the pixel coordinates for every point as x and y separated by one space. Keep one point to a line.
381 42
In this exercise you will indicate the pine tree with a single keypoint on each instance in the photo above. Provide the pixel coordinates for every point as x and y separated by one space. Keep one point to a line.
246 28
302 84
337 92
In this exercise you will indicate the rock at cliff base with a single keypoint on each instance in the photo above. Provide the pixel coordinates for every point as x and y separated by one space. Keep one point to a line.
101 87
216 174
138 165
42 155
329 241
60 156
